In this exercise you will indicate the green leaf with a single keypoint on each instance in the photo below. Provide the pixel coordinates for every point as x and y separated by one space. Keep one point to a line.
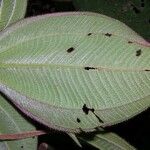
12 122
11 11
107 141
135 13
75 71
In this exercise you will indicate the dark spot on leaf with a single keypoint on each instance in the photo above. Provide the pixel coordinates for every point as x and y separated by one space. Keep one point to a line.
78 120
130 42
108 34
135 9
71 49
86 111
147 70
21 146
99 119
138 52
89 34
149 21
88 68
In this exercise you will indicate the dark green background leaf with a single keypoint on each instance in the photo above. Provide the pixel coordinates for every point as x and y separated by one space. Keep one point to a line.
134 13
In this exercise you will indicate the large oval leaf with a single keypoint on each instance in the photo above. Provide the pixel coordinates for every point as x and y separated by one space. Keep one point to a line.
12 122
75 71
11 11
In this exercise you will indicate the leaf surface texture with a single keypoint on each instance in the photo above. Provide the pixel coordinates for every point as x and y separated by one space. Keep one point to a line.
75 71
12 122
11 11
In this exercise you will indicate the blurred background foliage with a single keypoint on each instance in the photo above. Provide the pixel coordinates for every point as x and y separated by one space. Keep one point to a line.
134 13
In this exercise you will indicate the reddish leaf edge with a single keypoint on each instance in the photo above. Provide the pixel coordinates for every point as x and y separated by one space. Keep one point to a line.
28 20
22 135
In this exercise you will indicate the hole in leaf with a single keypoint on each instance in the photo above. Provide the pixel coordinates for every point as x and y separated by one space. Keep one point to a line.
138 52
89 34
130 42
88 68
86 111
147 70
108 34
78 120
71 49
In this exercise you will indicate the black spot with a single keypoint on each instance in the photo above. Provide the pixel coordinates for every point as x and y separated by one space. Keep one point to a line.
78 120
108 34
130 42
86 111
138 52
89 34
99 119
147 70
149 21
71 49
88 68
21 146
135 9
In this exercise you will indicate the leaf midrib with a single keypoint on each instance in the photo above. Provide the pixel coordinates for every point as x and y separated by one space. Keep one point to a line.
53 65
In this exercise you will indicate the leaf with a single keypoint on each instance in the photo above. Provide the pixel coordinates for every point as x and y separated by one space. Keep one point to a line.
134 13
75 139
12 122
75 71
11 11
107 141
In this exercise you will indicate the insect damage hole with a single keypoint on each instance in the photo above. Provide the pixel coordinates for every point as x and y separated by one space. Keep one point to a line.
71 49
130 42
78 120
108 34
138 52
21 146
89 68
89 34
86 111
